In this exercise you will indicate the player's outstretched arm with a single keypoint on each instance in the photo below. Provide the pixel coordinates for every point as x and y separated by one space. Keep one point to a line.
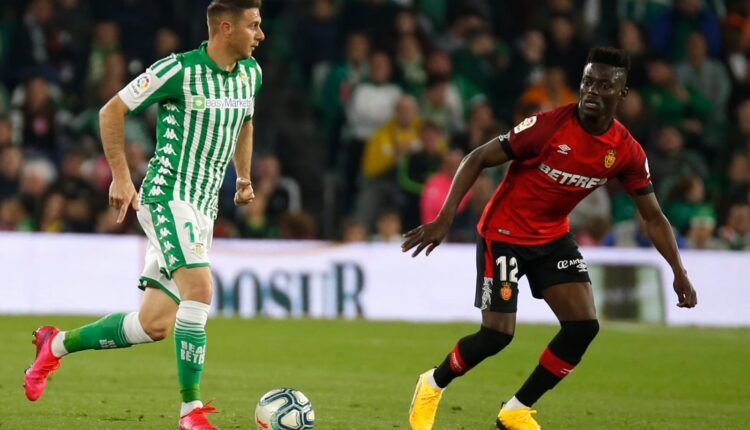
430 235
660 232
243 154
122 192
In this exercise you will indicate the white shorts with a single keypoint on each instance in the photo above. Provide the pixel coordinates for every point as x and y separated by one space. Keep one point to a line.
179 235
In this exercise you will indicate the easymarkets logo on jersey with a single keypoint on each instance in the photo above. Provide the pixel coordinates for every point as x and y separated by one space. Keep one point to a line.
203 103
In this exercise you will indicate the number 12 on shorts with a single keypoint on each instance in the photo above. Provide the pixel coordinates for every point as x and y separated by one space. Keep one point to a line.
503 264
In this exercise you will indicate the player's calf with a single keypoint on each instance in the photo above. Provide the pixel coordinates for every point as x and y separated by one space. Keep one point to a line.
557 361
470 351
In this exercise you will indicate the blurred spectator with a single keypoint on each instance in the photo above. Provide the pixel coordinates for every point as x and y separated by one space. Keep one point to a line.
36 177
410 64
640 11
166 42
82 200
13 216
282 193
333 89
372 101
353 231
52 217
399 135
482 127
137 157
461 91
320 29
372 16
700 235
632 234
388 227
630 38
416 166
35 35
565 50
735 183
106 222
669 160
253 221
11 162
672 103
438 107
736 229
686 199
408 24
36 120
549 94
709 78
463 24
670 30
6 132
484 61
370 106
297 226
738 136
106 41
437 186
528 62
633 115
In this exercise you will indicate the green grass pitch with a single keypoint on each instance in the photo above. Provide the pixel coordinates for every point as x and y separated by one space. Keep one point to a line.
360 375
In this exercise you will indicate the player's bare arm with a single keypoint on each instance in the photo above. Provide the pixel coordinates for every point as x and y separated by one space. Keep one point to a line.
112 127
431 234
660 232
242 157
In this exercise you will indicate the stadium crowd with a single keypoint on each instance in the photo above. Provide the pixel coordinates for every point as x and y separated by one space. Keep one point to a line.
368 106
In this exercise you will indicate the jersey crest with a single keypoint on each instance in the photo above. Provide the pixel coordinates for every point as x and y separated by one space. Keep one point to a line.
506 292
609 159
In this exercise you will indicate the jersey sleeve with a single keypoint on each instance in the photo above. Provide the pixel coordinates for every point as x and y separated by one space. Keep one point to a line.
635 176
525 140
256 79
161 81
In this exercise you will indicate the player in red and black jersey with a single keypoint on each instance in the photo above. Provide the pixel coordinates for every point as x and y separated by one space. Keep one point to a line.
557 159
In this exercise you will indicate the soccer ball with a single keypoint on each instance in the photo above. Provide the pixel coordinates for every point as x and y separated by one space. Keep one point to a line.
284 409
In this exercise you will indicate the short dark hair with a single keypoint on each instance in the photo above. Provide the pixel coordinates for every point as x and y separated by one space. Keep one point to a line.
611 56
230 7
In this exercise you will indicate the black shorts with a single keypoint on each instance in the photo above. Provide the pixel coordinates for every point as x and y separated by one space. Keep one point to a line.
500 265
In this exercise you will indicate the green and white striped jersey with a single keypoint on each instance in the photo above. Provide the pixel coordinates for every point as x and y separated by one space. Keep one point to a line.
201 111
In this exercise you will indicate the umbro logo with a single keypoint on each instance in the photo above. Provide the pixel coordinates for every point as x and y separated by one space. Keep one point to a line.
563 149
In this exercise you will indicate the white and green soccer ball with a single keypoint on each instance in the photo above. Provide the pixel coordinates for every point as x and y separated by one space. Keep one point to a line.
284 409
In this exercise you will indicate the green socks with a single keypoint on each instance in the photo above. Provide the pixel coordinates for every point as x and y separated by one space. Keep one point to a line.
106 333
190 346
112 331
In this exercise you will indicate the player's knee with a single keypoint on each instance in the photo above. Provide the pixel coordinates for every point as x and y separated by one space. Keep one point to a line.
493 341
198 292
157 329
579 333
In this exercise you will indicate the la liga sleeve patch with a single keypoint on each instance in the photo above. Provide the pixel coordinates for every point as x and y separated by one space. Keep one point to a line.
523 125
139 85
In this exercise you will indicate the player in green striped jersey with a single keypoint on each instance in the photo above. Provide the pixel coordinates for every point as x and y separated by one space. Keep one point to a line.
205 100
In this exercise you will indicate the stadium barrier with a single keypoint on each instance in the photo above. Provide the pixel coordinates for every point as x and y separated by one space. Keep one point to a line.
96 274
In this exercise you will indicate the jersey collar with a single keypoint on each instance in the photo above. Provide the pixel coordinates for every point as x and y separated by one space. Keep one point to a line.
212 64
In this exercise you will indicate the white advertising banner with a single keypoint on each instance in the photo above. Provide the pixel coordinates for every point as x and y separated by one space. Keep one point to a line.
69 274
94 274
